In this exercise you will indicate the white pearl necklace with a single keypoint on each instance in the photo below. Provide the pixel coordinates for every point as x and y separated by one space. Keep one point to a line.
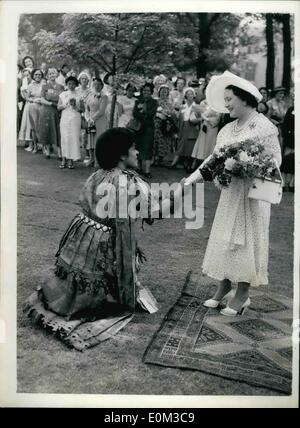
237 129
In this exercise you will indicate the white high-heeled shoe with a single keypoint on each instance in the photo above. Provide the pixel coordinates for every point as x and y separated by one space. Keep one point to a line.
212 303
232 312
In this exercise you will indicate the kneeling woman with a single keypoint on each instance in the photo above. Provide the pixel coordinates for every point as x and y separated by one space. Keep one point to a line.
98 258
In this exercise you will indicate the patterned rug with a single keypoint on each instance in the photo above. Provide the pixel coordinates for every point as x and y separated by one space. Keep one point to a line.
255 348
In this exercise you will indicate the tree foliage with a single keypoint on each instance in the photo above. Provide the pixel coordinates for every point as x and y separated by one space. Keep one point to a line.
145 43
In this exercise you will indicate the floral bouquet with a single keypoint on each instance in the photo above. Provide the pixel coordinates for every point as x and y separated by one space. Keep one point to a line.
245 160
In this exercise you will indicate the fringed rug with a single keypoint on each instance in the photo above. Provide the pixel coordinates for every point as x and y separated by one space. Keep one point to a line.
77 334
255 348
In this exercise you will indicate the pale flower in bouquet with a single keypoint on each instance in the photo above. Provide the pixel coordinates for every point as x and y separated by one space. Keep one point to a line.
243 156
229 164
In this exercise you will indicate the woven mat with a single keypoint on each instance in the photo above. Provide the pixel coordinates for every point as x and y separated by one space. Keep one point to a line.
254 348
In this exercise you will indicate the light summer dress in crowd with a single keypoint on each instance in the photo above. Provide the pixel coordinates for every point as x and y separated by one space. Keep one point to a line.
83 94
96 104
25 129
207 136
238 245
34 91
164 130
70 126
188 131
49 116
126 108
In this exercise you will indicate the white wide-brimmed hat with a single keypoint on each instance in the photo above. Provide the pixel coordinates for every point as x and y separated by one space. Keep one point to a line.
217 85
189 88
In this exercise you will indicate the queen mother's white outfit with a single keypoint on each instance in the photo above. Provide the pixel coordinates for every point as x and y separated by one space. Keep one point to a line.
238 245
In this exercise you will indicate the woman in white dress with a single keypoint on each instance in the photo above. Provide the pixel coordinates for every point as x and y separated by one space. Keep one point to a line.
126 105
72 106
237 250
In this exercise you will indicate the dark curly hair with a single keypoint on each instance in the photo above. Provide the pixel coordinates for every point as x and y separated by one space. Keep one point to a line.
113 144
243 95
34 71
179 78
147 85
72 79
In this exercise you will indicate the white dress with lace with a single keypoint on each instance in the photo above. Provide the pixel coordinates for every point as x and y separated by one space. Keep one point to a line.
238 246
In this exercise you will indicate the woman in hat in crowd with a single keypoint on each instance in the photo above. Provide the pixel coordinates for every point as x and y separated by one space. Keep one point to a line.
189 121
49 118
237 250
157 82
199 94
144 111
71 107
98 257
96 105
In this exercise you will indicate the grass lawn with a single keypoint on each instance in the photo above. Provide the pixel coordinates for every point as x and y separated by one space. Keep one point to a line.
47 201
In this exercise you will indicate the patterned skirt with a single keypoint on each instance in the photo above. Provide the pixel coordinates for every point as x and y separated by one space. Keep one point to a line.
85 271
163 141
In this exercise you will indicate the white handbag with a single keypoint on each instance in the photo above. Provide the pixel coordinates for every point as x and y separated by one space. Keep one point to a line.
267 189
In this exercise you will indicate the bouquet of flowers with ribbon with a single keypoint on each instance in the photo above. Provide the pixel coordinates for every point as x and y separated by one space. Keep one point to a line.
245 160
